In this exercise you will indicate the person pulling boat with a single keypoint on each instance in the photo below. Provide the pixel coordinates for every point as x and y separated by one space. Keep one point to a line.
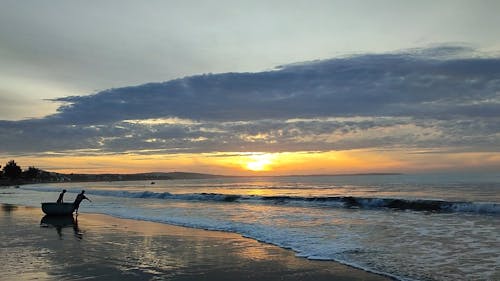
78 200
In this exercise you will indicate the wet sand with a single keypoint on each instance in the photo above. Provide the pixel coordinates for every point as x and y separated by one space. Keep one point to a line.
100 247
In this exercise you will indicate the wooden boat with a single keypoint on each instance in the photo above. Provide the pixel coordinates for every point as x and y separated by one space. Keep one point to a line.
57 209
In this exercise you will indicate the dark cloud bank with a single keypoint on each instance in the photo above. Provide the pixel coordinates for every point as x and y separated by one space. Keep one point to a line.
428 98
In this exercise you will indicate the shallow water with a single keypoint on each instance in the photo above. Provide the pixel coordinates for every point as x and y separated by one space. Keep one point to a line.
413 227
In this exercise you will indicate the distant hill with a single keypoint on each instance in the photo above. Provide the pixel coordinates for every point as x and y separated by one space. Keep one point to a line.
45 177
186 175
139 176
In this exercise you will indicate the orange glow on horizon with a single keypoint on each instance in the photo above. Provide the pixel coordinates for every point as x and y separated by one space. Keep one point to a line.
268 164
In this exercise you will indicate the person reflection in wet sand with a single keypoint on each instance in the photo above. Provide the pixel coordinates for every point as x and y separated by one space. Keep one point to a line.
76 229
78 200
61 195
59 231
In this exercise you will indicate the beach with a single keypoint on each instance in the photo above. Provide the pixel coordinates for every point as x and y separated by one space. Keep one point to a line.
390 225
101 247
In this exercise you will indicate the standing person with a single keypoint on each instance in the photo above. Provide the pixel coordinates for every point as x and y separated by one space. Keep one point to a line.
78 200
61 195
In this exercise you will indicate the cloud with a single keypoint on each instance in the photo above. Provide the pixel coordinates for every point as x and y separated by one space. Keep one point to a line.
399 84
440 97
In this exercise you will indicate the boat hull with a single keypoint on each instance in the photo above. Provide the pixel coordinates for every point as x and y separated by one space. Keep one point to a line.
57 209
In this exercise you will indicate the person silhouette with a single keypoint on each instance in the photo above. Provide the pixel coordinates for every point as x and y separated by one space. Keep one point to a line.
78 200
61 195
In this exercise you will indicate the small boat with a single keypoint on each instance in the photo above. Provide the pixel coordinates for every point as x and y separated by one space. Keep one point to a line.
57 209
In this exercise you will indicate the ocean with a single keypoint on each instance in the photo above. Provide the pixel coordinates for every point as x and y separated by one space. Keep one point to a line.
409 227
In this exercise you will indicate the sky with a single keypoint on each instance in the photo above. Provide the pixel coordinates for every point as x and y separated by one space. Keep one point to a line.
250 87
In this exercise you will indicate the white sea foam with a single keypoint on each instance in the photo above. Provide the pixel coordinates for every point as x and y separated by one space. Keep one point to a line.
476 207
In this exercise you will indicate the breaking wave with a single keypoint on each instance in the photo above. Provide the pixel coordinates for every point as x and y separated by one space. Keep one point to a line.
429 205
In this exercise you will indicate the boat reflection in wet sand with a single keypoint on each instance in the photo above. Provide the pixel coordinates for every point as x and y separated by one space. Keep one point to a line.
60 222
57 209
57 221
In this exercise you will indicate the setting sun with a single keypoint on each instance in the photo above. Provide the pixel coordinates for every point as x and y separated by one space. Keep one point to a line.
259 162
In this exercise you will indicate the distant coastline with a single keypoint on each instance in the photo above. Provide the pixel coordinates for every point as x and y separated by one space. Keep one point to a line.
59 177
152 176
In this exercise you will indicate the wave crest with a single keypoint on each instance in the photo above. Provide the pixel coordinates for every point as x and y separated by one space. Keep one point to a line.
429 205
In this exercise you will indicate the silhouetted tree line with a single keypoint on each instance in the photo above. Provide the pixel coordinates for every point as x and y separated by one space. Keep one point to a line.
13 173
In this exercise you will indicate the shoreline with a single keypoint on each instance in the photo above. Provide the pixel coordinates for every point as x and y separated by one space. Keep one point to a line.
113 248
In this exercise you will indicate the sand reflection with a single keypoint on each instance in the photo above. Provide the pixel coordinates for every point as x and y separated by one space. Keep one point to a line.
60 222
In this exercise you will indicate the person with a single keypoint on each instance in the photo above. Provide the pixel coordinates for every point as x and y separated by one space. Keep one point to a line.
78 200
61 195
